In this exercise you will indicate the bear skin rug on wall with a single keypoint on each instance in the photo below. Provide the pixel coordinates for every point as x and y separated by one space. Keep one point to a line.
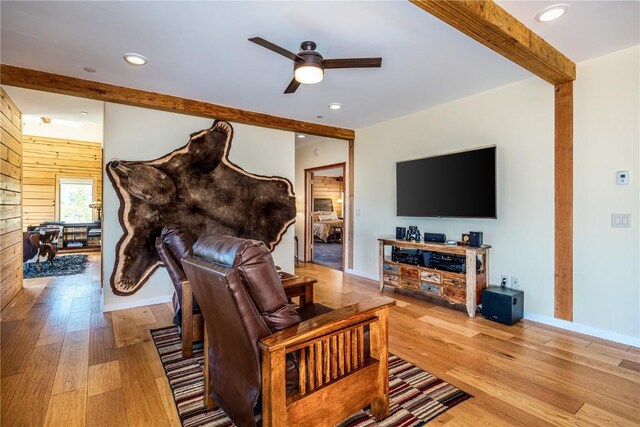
198 187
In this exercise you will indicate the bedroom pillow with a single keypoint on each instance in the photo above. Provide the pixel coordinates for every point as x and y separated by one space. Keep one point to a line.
327 216
315 216
334 215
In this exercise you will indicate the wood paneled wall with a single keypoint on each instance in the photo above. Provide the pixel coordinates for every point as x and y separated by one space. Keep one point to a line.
45 160
10 200
328 187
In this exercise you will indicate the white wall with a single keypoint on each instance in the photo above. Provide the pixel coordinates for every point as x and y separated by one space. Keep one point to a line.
330 151
518 119
132 133
607 139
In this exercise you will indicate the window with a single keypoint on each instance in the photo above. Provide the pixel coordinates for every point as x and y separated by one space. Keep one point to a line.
75 196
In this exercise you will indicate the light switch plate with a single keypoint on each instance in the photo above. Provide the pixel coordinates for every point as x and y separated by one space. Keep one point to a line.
621 220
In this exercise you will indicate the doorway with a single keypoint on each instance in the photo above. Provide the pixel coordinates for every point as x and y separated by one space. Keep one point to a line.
325 208
61 184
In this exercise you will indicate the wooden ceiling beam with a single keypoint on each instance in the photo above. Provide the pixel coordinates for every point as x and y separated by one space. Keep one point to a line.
56 83
491 25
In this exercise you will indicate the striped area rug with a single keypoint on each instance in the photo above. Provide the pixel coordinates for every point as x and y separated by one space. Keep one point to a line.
415 396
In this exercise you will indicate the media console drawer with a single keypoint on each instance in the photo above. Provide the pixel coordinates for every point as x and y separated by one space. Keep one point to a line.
430 276
454 294
431 288
457 281
412 272
409 283
390 279
391 268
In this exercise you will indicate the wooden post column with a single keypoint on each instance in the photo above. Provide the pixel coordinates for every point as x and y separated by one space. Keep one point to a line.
564 201
350 219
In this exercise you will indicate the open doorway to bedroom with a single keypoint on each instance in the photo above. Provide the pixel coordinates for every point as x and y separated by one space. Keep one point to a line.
324 214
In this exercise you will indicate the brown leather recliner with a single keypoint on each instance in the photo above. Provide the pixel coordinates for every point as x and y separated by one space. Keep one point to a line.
175 242
313 372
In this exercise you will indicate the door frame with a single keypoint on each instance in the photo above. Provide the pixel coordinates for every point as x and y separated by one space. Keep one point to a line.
308 209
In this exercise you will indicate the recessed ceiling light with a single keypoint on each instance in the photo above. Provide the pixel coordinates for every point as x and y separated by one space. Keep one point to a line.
134 59
301 136
89 69
84 113
335 106
318 117
552 12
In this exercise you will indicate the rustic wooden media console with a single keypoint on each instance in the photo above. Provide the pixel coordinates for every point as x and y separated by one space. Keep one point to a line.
459 288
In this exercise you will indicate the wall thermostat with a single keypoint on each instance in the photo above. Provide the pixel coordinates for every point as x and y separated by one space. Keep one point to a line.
622 177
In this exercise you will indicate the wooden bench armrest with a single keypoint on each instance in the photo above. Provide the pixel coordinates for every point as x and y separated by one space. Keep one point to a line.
325 324
332 362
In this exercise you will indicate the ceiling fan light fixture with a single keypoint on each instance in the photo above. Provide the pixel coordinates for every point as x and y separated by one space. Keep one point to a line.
551 13
308 73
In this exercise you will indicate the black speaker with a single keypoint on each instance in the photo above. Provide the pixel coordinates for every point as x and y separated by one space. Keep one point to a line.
503 305
435 237
475 238
401 232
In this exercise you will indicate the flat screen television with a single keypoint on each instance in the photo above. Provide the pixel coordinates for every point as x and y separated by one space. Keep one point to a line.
457 185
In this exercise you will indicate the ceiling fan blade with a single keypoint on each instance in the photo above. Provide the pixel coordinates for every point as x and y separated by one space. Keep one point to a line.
352 63
293 86
275 48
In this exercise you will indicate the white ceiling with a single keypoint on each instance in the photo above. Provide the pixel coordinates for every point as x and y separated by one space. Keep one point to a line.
200 50
61 107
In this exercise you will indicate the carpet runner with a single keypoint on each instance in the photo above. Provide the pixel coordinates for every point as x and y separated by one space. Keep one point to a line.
415 396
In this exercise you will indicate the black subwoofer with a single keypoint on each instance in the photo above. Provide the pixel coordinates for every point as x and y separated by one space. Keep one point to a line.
503 305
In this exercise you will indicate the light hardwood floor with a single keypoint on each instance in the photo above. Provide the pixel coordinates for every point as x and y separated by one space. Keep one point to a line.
64 362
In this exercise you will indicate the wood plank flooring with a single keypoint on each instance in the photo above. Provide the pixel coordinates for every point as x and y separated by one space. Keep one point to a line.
64 362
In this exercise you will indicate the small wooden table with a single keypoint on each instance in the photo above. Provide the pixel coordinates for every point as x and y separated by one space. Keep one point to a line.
302 287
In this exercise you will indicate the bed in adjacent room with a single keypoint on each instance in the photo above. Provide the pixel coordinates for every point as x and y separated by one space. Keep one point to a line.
326 224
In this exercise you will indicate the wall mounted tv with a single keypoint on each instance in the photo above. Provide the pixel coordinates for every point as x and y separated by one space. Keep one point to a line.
457 185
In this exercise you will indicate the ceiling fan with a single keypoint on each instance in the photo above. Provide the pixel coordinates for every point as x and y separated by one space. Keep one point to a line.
309 66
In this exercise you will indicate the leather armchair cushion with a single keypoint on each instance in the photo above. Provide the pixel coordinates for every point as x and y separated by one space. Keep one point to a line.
253 261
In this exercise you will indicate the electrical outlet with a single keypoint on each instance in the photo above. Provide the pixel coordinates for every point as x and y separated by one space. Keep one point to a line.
515 283
504 281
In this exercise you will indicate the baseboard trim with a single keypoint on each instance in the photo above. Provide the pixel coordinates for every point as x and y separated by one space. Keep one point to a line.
584 329
361 274
562 324
136 303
